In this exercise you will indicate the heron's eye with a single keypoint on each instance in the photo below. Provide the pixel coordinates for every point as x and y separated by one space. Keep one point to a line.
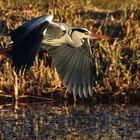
86 33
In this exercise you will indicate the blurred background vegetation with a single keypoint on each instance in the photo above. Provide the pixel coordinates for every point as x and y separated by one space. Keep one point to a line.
117 59
105 4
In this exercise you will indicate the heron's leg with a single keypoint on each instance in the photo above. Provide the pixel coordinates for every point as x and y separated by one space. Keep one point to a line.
75 100
66 94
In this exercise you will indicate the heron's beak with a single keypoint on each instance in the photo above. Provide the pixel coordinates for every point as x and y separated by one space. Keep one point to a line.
97 36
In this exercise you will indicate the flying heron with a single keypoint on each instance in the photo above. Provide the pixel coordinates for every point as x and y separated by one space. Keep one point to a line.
68 46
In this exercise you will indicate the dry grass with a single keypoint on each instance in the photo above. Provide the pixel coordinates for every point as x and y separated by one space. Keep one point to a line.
117 59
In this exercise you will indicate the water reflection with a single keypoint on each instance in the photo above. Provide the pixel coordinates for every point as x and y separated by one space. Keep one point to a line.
84 122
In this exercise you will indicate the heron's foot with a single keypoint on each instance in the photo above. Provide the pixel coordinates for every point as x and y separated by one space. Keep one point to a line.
75 99
66 95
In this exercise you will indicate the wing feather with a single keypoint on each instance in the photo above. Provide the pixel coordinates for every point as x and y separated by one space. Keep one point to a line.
26 42
75 67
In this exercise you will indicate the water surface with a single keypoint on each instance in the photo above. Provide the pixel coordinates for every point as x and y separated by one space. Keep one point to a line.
50 121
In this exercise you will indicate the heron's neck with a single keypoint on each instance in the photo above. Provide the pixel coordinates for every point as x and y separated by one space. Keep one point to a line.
76 41
72 41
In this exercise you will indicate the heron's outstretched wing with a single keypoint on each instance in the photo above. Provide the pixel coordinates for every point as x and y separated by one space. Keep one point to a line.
76 67
27 40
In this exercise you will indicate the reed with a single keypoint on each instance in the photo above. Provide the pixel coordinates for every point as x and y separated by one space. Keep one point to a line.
117 59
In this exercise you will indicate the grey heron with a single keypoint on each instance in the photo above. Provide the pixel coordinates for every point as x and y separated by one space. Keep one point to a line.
68 46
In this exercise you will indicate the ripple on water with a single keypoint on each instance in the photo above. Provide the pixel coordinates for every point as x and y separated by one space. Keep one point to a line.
49 121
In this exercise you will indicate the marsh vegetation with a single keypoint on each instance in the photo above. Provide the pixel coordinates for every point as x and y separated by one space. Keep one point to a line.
117 59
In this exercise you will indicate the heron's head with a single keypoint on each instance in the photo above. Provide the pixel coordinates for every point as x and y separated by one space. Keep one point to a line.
78 36
84 33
